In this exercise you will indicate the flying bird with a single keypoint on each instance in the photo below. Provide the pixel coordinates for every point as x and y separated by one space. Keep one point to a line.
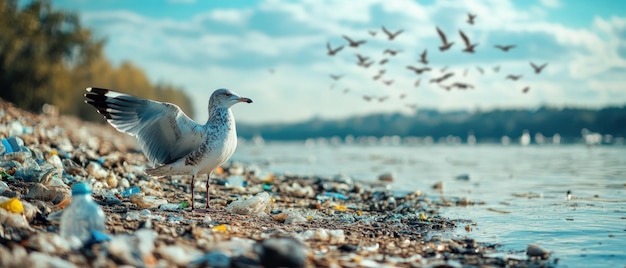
353 43
412 106
538 68
372 33
462 85
504 48
445 46
423 57
362 59
367 98
526 89
172 142
331 51
388 82
417 82
402 96
442 78
469 47
391 35
377 76
383 61
447 88
367 64
480 69
392 52
470 18
444 69
418 70
496 69
383 98
513 77
336 76
346 90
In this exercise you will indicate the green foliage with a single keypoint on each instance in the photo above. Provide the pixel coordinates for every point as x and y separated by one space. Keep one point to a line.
487 126
46 56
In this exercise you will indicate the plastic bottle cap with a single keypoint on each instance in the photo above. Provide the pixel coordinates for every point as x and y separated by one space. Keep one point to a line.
80 188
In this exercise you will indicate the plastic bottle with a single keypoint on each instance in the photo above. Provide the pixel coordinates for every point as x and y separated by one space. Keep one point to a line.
81 217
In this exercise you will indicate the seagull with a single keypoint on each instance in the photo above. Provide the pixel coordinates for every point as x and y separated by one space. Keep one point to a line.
392 52
383 98
383 61
423 57
366 64
372 33
331 51
367 98
445 46
462 85
496 69
403 95
418 70
362 59
513 77
469 47
378 76
417 82
336 76
480 69
470 18
526 89
353 43
538 68
390 34
504 48
173 142
388 82
442 78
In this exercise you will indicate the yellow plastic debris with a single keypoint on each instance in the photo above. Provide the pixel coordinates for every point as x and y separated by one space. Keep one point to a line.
310 217
339 207
220 228
14 205
423 217
268 179
359 213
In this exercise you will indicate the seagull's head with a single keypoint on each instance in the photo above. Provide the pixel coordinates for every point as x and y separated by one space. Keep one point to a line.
226 98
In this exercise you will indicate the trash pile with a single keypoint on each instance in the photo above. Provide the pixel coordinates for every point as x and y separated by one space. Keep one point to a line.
58 172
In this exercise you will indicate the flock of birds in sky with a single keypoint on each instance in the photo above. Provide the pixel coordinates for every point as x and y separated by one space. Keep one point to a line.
443 80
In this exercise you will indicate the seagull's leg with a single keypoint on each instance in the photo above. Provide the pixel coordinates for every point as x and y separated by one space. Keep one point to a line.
193 178
208 185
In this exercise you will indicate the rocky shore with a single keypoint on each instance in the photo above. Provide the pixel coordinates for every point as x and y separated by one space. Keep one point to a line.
257 219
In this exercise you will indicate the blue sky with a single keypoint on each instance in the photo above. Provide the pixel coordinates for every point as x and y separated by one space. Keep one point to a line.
205 45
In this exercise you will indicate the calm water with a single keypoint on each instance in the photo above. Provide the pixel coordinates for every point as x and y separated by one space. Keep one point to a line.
589 230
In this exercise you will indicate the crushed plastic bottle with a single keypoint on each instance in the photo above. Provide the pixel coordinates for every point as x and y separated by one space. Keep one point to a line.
81 217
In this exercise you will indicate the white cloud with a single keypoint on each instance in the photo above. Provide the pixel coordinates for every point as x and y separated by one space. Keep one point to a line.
551 3
202 54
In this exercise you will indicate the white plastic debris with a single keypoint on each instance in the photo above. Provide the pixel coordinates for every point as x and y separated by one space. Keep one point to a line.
95 170
179 254
147 201
259 204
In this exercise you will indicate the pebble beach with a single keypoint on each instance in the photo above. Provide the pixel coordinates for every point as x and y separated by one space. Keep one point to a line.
257 218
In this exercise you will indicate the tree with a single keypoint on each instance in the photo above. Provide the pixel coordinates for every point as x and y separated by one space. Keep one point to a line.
37 43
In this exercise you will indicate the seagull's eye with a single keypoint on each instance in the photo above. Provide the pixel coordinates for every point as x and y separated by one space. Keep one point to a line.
228 94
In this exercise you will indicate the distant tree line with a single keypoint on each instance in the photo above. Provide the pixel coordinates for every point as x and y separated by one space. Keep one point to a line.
46 56
488 125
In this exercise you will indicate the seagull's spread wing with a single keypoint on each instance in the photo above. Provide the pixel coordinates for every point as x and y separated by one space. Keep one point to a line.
163 130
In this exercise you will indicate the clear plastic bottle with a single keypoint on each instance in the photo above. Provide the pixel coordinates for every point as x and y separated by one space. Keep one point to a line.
81 217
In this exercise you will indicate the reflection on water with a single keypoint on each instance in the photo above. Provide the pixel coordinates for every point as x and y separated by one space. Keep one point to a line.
530 182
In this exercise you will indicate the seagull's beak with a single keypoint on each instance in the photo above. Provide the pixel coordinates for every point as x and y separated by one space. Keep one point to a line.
244 100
